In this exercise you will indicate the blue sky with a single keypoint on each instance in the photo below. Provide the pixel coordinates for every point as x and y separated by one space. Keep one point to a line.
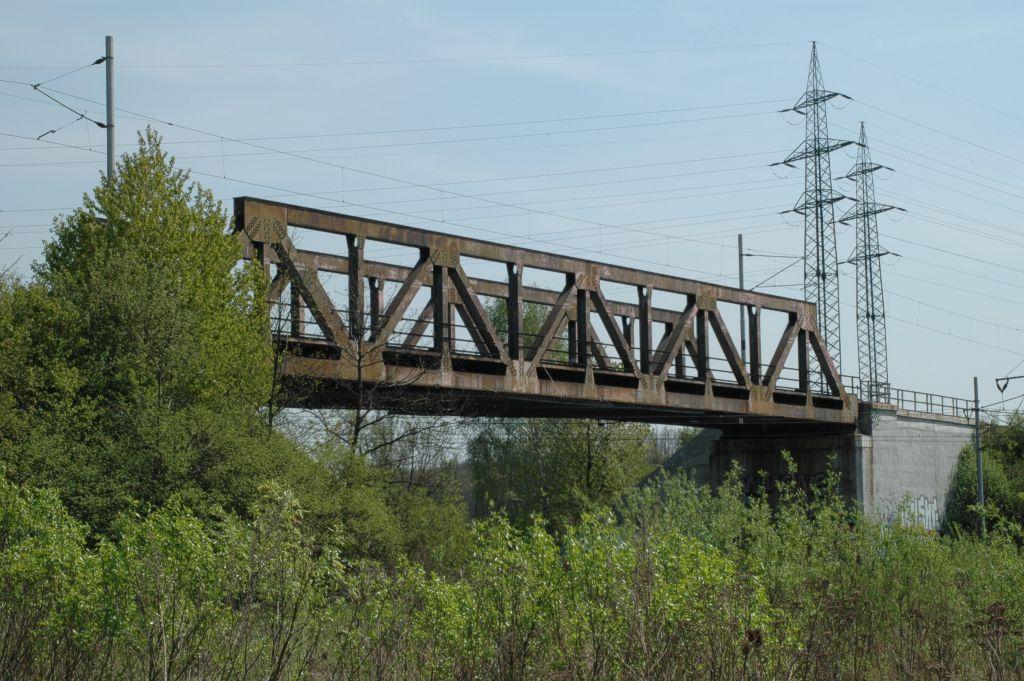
935 84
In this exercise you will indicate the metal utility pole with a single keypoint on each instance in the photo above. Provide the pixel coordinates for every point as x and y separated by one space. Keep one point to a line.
108 60
872 353
821 265
977 454
743 316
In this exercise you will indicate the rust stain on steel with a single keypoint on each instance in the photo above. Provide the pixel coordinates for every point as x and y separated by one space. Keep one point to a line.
666 377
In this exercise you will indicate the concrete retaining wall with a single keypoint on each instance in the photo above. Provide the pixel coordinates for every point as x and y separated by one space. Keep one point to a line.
912 457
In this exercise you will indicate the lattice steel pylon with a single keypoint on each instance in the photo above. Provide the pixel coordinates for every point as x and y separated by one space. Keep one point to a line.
821 264
872 359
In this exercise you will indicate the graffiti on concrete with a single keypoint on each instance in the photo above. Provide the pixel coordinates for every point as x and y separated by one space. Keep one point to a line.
924 511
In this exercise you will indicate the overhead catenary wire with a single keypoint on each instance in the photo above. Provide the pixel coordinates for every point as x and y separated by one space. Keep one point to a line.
417 217
464 126
267 152
445 60
364 172
591 143
68 73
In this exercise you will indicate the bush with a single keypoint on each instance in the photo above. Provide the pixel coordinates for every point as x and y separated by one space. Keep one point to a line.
676 583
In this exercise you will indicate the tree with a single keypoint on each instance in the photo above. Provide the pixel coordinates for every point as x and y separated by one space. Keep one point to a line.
1003 471
136 361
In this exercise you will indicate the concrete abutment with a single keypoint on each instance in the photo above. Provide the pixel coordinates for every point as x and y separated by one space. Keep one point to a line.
893 456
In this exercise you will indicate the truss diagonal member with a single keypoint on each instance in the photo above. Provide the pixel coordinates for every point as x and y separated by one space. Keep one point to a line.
618 339
771 374
474 332
691 347
551 325
828 367
668 347
597 350
728 347
402 299
276 287
478 315
312 292
419 328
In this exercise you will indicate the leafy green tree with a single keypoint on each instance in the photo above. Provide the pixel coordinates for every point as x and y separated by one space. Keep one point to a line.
135 363
559 468
1003 471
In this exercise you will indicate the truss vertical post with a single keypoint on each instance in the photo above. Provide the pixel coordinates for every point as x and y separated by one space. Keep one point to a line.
515 309
376 287
754 329
645 295
356 322
295 312
439 300
571 326
803 363
701 360
582 315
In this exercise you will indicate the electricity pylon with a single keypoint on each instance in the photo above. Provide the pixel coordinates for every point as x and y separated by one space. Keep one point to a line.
821 265
872 359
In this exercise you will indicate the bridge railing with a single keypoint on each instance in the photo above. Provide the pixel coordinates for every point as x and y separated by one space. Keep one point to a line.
910 400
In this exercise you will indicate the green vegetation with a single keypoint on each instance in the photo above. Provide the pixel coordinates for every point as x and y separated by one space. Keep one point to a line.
567 468
558 468
134 370
1003 472
161 518
679 584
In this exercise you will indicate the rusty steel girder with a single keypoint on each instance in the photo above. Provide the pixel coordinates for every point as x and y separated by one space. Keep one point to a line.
330 354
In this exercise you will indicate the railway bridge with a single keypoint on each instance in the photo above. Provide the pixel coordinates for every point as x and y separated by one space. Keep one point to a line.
605 345
380 315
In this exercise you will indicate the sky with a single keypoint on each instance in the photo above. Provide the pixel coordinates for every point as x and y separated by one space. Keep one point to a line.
639 134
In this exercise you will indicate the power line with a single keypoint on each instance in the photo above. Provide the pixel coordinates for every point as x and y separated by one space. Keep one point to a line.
958 255
468 126
941 162
948 152
418 217
947 333
959 314
943 133
444 60
68 73
1015 301
417 143
962 216
926 84
960 271
486 149
441 188
787 267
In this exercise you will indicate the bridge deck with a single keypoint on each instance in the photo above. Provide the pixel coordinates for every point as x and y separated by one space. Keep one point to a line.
591 357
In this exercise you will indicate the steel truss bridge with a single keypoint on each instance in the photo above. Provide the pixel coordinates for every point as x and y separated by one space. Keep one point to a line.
422 338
